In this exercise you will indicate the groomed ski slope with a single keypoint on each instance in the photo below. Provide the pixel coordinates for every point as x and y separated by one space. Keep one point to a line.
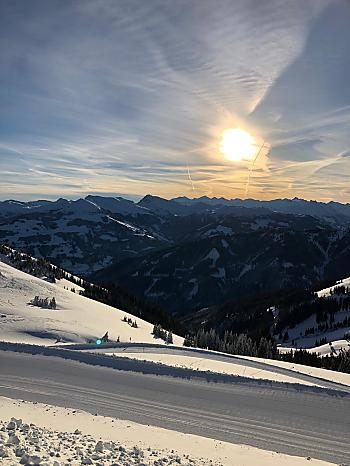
77 319
209 361
324 374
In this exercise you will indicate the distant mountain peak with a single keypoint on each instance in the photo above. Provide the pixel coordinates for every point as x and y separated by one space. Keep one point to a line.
332 211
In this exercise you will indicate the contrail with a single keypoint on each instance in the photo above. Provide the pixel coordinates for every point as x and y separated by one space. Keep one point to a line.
189 176
251 169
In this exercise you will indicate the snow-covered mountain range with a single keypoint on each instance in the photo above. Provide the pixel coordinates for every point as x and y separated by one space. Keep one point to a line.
185 254
334 212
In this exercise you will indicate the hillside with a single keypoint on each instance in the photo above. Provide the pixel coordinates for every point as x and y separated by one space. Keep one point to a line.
77 319
229 265
296 318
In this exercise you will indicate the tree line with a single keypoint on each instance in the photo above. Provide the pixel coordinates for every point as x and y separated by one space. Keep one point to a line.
339 362
232 343
242 344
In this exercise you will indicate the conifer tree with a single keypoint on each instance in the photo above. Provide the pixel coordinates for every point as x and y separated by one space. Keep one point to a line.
169 339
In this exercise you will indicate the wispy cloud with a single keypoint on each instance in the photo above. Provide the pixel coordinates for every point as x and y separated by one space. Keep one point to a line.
129 96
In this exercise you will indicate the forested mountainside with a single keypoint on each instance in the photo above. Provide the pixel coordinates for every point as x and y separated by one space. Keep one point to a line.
276 313
208 271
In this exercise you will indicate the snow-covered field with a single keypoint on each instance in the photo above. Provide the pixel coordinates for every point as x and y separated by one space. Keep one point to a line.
333 347
325 374
77 319
35 434
80 320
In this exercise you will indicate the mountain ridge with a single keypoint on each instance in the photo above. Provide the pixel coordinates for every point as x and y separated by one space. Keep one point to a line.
156 204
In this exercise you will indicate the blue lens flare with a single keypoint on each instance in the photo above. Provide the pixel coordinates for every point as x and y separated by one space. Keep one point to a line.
98 341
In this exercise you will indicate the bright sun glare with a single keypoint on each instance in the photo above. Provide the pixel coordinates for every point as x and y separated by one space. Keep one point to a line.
236 144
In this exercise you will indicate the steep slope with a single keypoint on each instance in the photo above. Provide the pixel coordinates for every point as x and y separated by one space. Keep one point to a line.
76 318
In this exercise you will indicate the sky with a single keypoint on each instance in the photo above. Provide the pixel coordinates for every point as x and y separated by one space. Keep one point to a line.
131 97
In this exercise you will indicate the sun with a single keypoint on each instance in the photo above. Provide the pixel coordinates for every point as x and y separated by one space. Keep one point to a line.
236 144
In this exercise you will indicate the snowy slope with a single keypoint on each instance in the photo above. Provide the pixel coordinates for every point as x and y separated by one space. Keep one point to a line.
79 320
327 291
331 348
76 319
297 333
335 336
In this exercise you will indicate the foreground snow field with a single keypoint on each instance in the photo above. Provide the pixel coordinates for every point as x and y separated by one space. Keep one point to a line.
76 319
197 359
182 362
35 433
